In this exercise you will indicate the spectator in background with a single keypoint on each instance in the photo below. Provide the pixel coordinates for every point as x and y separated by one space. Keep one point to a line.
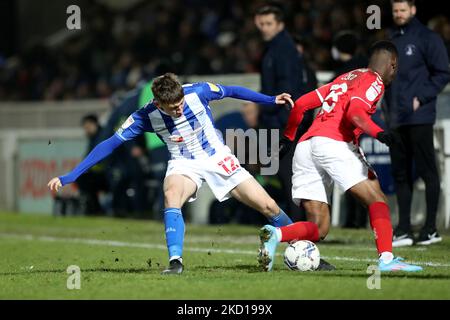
441 25
118 47
344 52
128 166
309 78
281 71
423 71
94 180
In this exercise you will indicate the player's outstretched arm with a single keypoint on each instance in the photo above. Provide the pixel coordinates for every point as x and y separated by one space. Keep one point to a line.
101 151
242 93
311 100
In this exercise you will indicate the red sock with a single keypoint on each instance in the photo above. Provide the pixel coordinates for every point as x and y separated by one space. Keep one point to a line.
380 221
300 231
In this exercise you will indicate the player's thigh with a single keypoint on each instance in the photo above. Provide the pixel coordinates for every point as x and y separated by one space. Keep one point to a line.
342 161
177 190
368 192
309 182
251 193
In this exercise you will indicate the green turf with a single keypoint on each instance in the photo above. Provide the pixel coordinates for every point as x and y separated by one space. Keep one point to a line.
122 259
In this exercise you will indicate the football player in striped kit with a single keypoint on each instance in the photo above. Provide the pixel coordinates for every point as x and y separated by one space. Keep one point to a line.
182 118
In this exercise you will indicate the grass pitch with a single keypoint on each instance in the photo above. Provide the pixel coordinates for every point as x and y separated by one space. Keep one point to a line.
122 259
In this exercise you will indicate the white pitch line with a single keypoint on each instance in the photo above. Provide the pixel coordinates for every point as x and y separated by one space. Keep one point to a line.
115 243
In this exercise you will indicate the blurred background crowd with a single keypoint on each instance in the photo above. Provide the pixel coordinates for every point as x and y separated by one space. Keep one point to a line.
115 49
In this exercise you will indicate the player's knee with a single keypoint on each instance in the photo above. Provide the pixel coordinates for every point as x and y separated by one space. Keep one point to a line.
171 194
377 197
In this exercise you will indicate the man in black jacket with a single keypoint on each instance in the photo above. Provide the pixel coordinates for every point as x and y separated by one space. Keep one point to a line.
410 105
281 69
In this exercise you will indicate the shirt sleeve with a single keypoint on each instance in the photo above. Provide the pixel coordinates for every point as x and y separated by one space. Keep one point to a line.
135 125
211 91
311 100
101 151
217 91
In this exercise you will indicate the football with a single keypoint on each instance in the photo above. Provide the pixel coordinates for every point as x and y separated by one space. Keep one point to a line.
302 256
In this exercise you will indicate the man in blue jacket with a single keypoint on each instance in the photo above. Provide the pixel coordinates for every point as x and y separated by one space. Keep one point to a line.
281 69
410 102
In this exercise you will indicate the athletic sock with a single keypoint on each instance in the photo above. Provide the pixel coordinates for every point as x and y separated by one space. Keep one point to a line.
304 230
386 257
174 226
280 220
380 221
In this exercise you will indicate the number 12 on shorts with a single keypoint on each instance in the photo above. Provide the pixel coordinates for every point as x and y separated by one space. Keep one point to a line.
228 165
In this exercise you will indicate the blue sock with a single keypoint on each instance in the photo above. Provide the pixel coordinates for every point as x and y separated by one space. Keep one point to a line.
174 226
280 220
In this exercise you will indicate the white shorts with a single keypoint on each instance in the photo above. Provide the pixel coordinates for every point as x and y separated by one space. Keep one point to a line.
320 161
222 172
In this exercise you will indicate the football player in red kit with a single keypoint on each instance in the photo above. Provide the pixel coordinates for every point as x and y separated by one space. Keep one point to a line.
329 153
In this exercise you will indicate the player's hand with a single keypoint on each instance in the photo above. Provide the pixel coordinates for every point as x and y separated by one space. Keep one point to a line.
387 138
54 184
284 98
416 103
285 146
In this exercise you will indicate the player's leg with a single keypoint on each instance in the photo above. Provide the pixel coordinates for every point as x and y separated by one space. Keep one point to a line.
318 213
236 182
311 186
346 164
309 182
370 194
177 190
252 194
314 229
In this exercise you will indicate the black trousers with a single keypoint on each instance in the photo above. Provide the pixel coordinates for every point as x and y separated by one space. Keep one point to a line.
415 146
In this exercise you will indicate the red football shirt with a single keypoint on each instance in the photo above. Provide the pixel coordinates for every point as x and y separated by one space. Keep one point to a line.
363 84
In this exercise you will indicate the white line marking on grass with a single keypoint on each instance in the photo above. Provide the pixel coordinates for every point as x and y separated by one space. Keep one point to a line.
115 243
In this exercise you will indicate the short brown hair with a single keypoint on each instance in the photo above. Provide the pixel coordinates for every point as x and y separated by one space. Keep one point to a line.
410 2
167 89
271 9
